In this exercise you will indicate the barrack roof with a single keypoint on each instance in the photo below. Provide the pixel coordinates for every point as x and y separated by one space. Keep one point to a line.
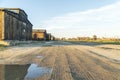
39 30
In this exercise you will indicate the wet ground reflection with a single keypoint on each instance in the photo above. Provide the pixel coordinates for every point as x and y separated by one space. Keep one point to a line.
35 71
22 72
13 72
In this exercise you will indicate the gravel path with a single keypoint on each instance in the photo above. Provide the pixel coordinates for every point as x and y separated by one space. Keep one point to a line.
68 62
78 63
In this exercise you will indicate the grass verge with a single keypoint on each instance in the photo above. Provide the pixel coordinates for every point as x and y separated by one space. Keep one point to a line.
95 42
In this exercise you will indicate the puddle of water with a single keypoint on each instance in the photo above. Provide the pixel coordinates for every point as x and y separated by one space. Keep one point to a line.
35 71
48 42
22 72
58 45
39 56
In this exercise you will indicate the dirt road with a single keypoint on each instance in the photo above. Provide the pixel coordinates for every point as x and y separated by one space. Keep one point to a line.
71 62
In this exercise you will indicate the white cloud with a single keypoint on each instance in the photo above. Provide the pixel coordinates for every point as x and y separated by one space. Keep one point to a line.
101 21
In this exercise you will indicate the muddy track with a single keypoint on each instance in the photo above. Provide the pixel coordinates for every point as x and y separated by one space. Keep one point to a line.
61 70
70 63
94 68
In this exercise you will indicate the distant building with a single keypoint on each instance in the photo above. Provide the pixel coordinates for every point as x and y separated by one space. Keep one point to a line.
50 37
53 38
14 24
39 34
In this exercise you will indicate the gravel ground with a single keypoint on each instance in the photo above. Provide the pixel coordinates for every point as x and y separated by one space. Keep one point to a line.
68 62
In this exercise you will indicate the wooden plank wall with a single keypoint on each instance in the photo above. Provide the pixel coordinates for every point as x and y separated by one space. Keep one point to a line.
16 29
1 24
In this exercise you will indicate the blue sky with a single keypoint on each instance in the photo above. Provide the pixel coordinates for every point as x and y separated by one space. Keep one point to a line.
72 18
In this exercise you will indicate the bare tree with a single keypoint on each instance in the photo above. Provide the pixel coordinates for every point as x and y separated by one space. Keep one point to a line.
94 37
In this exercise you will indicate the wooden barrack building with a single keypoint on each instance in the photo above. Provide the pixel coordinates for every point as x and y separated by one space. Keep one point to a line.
14 24
39 34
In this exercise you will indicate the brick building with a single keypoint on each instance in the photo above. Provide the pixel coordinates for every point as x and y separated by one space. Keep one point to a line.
39 34
14 24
